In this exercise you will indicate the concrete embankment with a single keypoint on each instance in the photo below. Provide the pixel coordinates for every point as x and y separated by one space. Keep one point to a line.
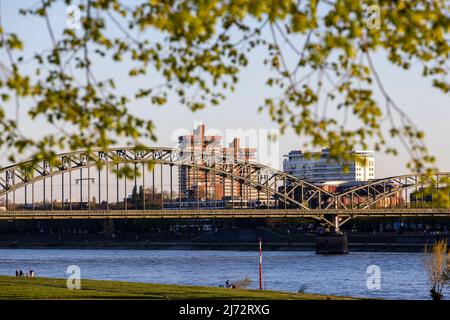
223 239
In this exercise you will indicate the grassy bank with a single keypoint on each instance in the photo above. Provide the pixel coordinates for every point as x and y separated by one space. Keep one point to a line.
49 288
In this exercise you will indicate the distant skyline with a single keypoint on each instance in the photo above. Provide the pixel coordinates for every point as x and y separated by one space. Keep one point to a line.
427 107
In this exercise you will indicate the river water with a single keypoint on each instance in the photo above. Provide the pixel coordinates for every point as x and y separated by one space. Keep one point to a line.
402 275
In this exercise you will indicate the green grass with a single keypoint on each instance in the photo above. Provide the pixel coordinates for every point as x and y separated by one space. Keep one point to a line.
49 288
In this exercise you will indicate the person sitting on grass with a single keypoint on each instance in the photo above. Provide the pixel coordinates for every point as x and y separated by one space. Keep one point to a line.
230 285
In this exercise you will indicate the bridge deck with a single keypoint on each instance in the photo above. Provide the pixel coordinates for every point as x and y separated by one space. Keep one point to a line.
226 213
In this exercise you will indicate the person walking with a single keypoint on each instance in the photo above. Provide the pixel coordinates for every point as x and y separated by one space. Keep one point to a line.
17 272
20 273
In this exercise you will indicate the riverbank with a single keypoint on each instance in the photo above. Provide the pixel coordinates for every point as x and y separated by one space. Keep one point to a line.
304 246
49 288
241 239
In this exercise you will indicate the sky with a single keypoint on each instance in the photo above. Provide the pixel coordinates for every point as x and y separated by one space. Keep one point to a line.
427 107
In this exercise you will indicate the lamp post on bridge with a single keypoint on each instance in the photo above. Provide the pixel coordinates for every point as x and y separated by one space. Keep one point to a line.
80 181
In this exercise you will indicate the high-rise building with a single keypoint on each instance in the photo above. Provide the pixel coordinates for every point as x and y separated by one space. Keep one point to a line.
236 152
319 167
195 183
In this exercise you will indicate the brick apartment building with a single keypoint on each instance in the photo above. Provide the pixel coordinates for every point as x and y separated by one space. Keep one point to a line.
195 183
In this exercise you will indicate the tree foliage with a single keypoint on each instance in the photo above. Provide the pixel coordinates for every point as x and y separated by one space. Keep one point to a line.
201 48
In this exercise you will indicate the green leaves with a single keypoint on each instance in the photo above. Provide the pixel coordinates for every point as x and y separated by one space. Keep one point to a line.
13 42
318 52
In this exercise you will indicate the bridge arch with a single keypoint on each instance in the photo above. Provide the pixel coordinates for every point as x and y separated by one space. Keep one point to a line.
376 191
272 182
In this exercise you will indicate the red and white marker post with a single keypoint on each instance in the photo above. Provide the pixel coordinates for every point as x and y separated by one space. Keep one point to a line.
260 265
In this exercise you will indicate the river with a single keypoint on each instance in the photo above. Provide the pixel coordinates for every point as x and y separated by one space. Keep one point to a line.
402 275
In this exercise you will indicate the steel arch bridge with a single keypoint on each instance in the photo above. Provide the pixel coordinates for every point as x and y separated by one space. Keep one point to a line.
275 193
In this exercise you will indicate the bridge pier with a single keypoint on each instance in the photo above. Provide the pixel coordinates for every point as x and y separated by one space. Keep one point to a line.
331 243
108 229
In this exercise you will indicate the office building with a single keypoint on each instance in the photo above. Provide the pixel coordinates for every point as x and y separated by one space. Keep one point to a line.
319 167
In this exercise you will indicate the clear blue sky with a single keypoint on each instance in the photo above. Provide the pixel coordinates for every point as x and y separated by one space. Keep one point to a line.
429 108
